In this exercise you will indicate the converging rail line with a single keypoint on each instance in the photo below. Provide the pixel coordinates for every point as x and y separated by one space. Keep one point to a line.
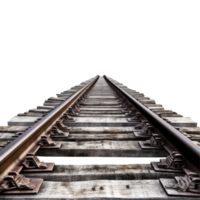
100 118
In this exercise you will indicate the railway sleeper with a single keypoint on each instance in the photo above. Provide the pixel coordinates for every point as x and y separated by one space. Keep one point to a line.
119 131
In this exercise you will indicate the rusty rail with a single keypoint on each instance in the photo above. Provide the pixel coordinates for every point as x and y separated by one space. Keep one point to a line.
189 151
14 153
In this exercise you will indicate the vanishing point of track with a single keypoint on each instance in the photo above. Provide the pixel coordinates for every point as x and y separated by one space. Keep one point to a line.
100 118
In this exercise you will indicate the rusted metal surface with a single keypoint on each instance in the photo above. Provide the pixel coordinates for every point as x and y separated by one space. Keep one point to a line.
55 132
46 142
13 154
188 185
16 183
109 120
173 163
33 164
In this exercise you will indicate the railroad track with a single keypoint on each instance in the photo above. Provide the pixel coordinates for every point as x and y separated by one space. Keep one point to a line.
100 118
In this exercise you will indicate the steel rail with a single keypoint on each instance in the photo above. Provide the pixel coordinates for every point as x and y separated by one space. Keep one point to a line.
189 151
14 153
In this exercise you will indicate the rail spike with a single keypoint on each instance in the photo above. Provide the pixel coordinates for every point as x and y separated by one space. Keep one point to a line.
72 112
15 181
172 163
62 127
155 141
128 108
145 127
67 118
55 131
137 116
187 185
46 141
76 108
32 162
